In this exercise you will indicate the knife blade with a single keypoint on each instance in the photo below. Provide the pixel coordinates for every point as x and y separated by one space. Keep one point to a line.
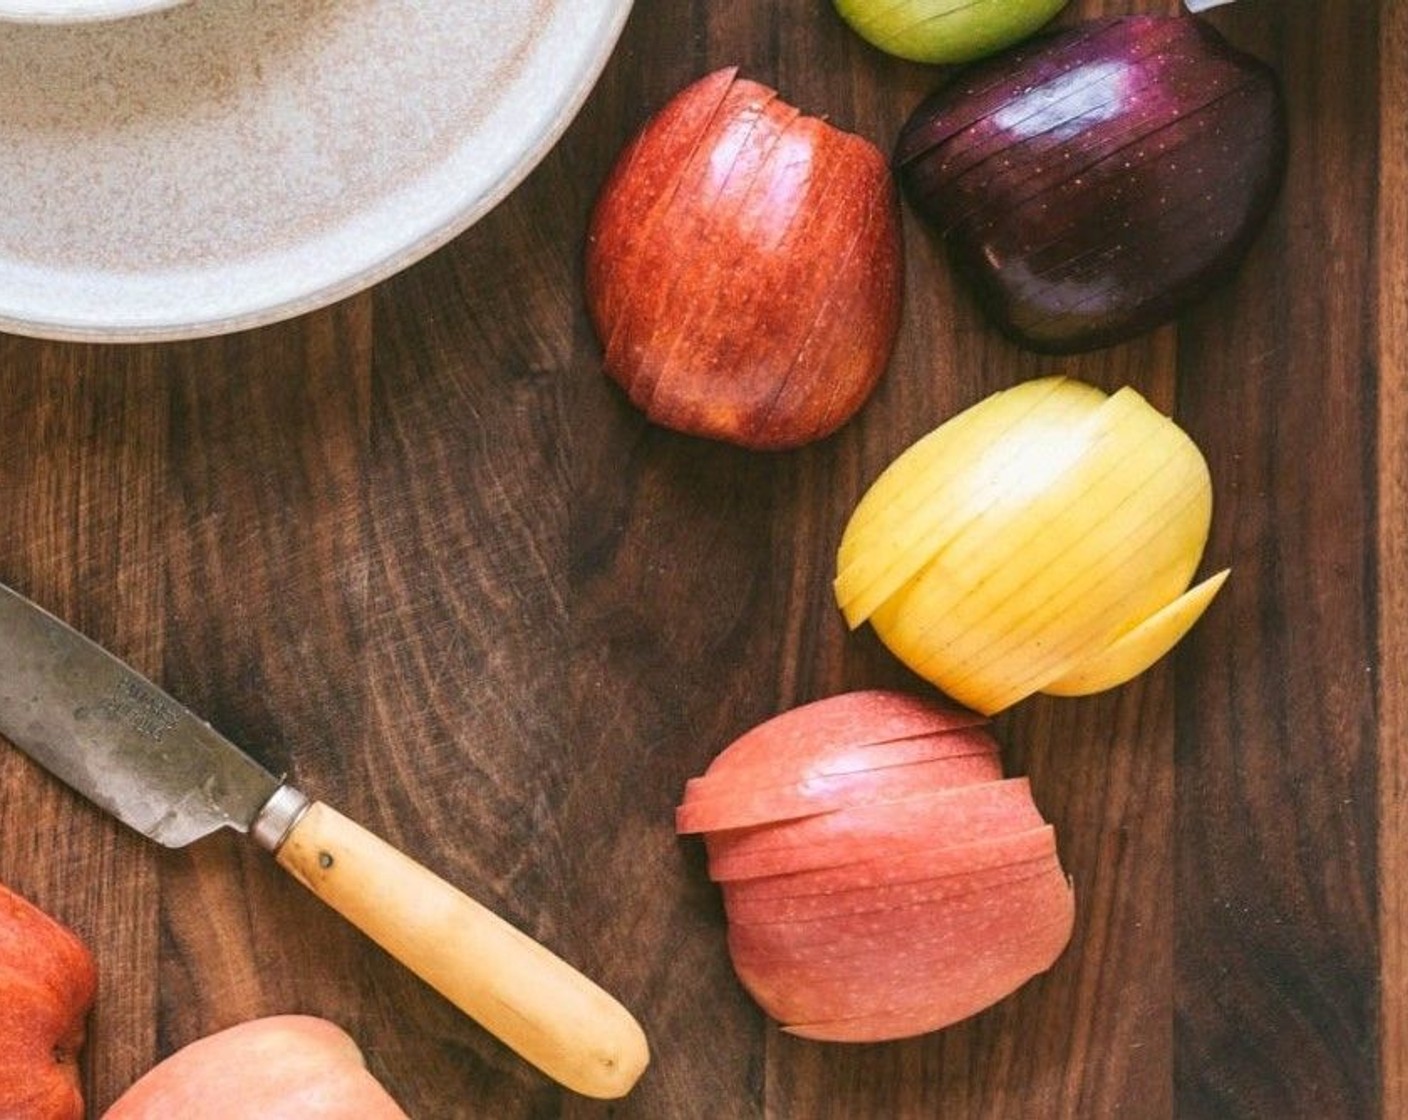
130 748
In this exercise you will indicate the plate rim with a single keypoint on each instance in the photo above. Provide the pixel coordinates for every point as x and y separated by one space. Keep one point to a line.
591 66
80 11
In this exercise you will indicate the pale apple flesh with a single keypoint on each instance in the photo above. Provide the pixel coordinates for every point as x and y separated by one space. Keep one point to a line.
286 1067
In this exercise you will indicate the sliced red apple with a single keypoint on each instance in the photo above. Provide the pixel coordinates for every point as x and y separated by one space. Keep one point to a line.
719 226
641 187
709 190
747 285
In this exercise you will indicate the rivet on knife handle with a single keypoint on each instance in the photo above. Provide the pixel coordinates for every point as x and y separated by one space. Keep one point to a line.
536 1003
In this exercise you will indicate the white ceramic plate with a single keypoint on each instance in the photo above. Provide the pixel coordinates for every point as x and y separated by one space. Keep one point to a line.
228 163
75 11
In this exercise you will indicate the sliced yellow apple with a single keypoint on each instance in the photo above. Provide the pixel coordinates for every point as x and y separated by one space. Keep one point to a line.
1062 594
1043 580
933 490
1138 649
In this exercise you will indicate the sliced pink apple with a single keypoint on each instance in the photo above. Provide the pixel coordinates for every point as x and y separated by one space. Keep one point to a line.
834 791
967 919
881 897
938 982
944 997
803 741
959 815
905 867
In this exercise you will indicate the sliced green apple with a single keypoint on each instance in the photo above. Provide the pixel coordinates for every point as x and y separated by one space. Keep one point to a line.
945 31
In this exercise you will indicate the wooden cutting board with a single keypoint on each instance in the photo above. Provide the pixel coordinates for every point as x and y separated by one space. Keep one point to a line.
417 551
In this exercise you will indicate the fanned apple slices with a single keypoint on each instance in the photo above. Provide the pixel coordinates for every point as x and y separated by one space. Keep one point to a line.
880 876
1044 539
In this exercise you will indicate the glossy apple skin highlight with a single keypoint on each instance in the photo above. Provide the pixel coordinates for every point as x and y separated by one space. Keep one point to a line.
47 983
1093 183
744 268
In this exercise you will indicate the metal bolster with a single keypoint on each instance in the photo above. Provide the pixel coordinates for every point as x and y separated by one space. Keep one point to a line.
276 820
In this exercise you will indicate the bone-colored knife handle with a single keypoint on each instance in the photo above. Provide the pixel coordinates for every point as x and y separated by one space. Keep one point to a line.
536 1003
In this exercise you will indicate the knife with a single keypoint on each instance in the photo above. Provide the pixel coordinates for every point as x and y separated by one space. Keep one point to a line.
126 745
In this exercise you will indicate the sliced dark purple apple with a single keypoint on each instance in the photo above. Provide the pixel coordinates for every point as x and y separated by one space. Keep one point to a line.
1093 183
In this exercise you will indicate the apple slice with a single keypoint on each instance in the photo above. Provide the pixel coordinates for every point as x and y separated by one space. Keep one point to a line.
936 996
642 186
835 791
806 740
1137 649
903 867
926 496
881 896
951 979
841 761
709 190
972 915
693 311
958 815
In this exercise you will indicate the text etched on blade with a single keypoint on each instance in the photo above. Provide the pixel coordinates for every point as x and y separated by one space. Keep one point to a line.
140 708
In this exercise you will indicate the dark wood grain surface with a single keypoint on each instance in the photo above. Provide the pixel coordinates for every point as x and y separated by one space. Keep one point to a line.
416 550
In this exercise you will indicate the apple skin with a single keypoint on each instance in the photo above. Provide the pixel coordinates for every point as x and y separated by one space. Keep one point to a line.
839 735
285 1067
744 268
835 791
945 31
957 815
923 864
880 877
47 983
1093 183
